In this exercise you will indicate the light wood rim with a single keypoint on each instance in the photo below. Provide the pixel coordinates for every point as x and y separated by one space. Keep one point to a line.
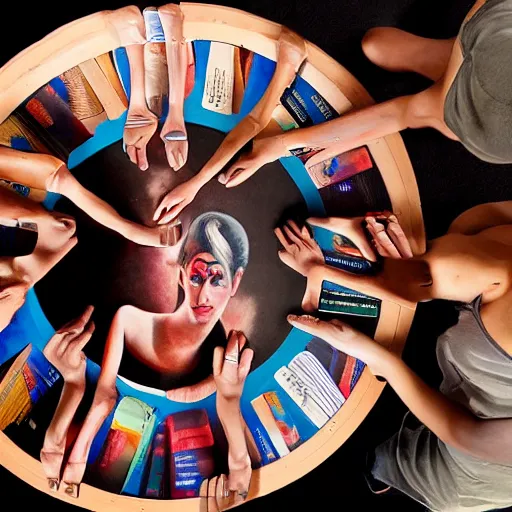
37 65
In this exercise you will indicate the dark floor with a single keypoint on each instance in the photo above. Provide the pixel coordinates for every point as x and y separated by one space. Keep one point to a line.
450 181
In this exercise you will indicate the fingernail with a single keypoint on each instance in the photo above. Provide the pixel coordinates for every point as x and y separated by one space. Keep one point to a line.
53 483
71 490
175 135
124 147
222 178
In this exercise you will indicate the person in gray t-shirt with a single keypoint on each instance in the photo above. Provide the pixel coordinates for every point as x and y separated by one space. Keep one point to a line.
470 100
460 457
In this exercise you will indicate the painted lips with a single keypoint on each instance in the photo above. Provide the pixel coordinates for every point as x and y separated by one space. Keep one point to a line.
202 312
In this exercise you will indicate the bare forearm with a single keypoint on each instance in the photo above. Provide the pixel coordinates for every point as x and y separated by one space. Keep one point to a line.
176 50
431 407
33 170
113 354
351 130
70 398
135 54
252 124
230 417
488 439
96 208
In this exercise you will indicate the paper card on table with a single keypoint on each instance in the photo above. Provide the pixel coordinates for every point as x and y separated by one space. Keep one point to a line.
339 299
277 422
218 90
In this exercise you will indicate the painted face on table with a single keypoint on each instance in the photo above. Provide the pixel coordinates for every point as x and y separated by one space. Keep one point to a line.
209 287
55 238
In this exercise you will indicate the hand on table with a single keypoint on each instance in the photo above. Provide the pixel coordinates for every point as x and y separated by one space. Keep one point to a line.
344 338
176 145
166 235
263 151
140 126
175 201
301 252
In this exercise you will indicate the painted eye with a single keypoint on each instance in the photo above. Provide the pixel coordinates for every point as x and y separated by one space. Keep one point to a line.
218 280
196 280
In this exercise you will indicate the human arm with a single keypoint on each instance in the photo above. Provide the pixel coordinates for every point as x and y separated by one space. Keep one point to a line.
291 54
64 352
47 172
401 280
481 217
174 133
354 129
104 400
230 369
487 439
141 123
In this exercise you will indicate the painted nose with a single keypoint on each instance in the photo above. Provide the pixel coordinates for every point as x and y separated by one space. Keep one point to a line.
203 295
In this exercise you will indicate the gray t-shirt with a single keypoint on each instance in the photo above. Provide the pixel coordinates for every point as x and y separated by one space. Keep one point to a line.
478 106
477 373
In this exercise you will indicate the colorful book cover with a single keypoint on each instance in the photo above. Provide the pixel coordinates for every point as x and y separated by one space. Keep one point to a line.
340 168
320 386
218 90
259 438
191 456
339 299
135 478
74 89
305 105
277 421
344 370
55 117
189 430
340 252
16 133
156 479
301 395
131 418
24 382
331 359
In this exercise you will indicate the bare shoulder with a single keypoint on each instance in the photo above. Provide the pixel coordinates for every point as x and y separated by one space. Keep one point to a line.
482 217
133 317
502 234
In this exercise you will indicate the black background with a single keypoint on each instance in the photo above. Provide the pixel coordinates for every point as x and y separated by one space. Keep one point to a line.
450 180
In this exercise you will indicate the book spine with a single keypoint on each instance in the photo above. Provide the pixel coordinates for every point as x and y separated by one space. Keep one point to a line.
265 446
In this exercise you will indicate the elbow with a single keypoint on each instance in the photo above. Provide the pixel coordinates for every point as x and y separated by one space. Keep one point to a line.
461 434
60 180
423 109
